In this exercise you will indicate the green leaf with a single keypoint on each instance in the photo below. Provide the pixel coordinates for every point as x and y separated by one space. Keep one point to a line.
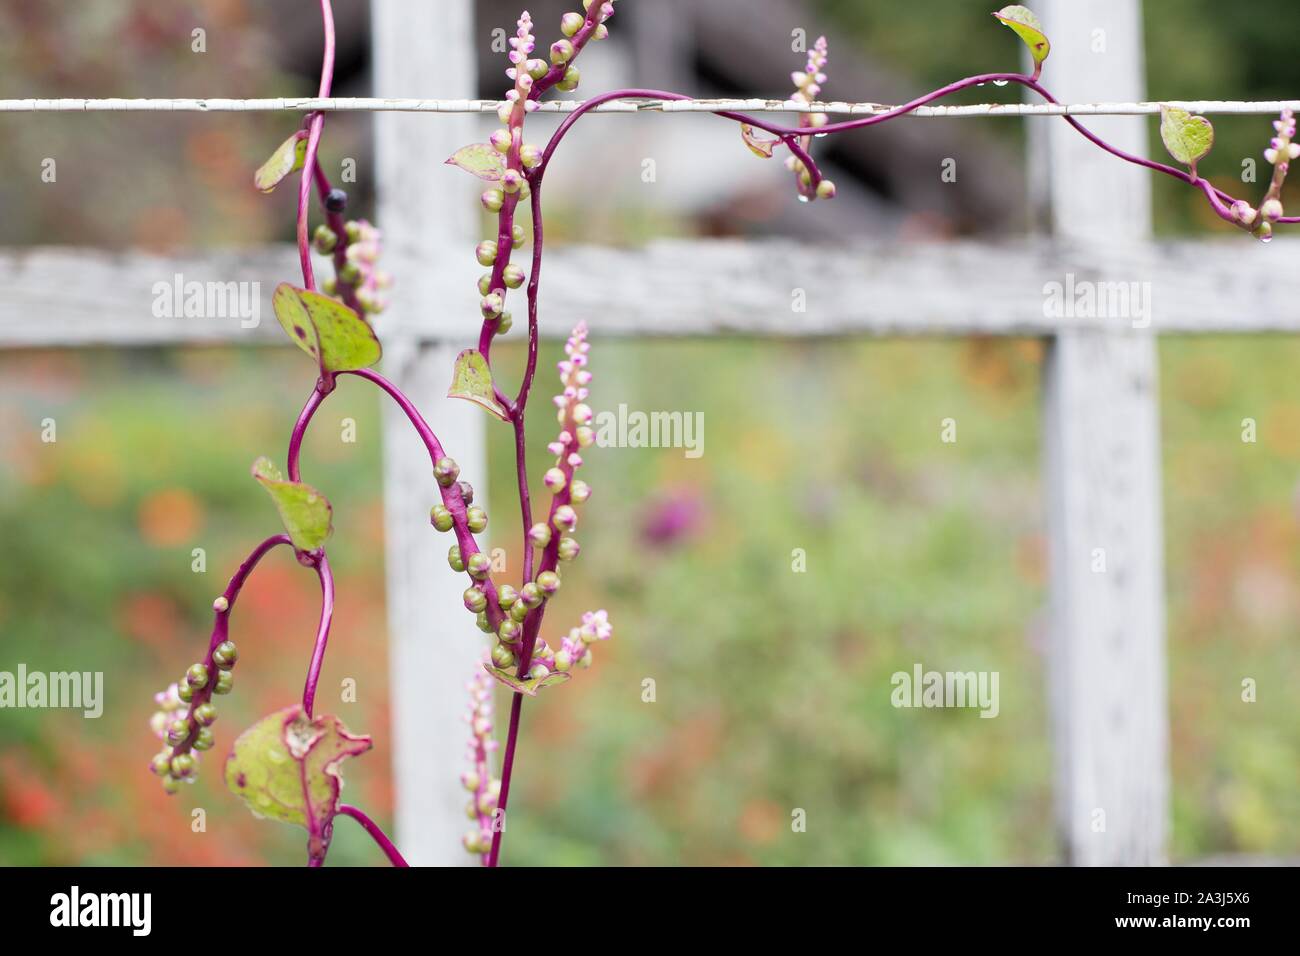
472 381
286 767
481 159
531 685
1188 138
759 147
288 158
304 511
1028 28
326 329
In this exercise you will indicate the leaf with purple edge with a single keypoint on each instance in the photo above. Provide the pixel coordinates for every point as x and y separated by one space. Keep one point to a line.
1188 138
305 513
481 159
286 767
758 146
326 329
472 381
288 158
526 686
1028 28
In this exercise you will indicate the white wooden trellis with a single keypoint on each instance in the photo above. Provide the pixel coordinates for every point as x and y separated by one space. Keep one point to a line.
1107 659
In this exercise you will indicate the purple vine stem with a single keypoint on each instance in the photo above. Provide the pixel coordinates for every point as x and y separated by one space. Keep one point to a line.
314 130
378 835
222 608
322 566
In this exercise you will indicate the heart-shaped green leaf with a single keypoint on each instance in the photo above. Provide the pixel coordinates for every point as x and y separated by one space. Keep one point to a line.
288 158
286 767
472 381
757 145
481 159
326 329
304 511
529 686
1188 138
1028 28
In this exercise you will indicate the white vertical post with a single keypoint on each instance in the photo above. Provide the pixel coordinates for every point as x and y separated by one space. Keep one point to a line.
1102 443
427 214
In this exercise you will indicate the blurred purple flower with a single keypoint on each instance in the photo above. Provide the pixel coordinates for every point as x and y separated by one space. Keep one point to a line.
676 515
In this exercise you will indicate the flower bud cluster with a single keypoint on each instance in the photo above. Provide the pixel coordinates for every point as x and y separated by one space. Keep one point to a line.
575 647
459 494
531 75
185 714
1281 150
484 789
808 86
359 270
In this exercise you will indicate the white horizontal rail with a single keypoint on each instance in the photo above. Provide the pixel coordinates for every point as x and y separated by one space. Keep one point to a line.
377 105
60 296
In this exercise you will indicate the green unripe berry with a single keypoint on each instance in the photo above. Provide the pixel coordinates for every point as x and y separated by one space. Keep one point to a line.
475 600
225 683
563 662
446 471
161 764
204 740
572 77
569 549
549 582
517 236
565 518
350 274
183 765
477 520
506 597
538 69
325 239
509 631
329 285
469 780
538 671
185 692
479 565
502 656
571 23
170 785
197 676
579 492
492 200
225 655
531 595
482 623
504 323
205 714
441 518
518 611
539 535
562 51
486 252
825 189
513 276
454 559
485 284
352 229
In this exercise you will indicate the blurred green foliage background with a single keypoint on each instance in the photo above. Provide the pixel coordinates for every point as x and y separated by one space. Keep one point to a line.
772 687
